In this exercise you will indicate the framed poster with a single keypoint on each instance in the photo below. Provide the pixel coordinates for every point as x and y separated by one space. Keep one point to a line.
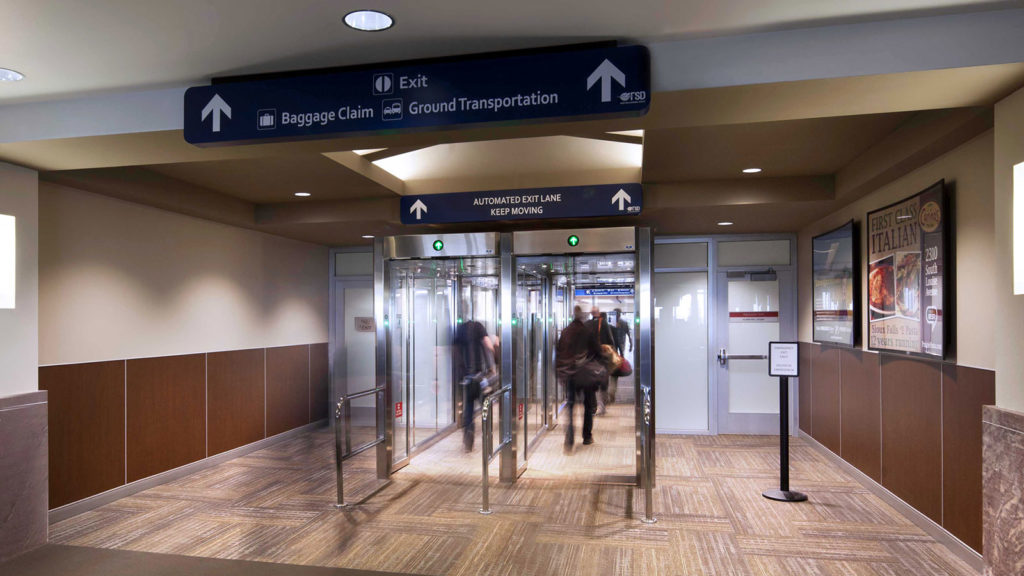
907 244
834 274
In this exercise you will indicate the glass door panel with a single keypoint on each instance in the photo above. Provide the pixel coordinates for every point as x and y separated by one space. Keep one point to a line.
681 323
752 313
354 368
399 340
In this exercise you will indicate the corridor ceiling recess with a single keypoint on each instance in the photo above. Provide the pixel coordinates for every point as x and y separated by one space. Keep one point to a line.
830 99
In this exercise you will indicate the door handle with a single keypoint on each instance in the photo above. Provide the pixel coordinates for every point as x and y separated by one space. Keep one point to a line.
724 357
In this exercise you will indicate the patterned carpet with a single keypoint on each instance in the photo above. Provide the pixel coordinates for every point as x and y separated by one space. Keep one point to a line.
559 519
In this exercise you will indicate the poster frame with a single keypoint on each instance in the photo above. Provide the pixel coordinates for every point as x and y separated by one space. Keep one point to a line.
855 338
944 229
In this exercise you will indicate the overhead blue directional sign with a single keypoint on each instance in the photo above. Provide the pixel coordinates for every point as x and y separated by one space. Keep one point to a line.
578 84
529 204
604 292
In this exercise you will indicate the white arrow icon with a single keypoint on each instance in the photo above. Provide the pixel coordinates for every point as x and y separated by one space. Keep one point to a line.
621 197
419 208
606 72
217 106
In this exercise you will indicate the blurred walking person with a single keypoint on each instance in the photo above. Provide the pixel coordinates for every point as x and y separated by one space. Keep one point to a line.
576 360
602 330
474 363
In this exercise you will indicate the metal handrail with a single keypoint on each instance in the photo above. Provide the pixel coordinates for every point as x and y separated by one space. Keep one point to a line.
488 452
339 440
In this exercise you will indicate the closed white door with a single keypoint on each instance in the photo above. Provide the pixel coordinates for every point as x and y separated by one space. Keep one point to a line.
753 310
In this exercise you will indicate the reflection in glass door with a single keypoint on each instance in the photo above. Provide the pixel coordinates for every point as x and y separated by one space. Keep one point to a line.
428 298
752 313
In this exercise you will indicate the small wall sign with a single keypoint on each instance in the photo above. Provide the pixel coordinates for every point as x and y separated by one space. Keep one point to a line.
365 324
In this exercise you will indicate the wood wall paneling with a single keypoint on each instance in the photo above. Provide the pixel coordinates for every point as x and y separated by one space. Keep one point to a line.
86 429
912 432
964 392
319 403
804 387
825 425
166 413
860 406
235 399
287 388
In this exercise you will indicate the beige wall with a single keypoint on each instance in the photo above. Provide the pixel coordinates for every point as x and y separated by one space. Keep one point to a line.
1009 327
969 169
122 280
19 336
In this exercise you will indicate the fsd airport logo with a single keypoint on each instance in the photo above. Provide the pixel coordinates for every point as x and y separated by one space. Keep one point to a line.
383 84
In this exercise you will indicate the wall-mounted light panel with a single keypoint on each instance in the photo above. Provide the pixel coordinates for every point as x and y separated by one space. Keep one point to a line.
1018 228
7 262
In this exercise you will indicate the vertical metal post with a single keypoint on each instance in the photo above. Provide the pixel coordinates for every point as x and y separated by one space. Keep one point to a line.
644 371
509 465
784 494
485 453
381 310
338 451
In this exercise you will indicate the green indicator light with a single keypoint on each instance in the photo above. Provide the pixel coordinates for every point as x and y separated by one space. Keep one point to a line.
514 322
574 240
438 245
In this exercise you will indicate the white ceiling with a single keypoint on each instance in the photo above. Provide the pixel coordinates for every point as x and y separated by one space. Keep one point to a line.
70 47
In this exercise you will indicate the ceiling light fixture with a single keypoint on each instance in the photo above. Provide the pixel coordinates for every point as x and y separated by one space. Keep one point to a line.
302 194
367 236
8 75
751 170
369 20
726 223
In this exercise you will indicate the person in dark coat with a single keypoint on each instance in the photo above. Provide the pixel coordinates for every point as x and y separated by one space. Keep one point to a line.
605 333
576 345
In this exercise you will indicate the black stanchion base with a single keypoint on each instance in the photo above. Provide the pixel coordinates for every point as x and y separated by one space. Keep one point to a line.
784 495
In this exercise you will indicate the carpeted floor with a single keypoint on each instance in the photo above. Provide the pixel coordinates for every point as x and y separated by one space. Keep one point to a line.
559 519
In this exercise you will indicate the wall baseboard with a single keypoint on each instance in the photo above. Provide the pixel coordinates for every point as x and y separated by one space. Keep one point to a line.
93 502
933 529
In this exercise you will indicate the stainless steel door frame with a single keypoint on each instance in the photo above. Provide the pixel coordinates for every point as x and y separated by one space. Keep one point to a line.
509 467
644 369
381 312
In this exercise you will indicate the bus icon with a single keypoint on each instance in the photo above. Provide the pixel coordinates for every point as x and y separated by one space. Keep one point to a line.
266 119
391 109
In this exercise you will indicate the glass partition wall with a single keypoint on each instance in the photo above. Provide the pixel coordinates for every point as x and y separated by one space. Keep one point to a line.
428 300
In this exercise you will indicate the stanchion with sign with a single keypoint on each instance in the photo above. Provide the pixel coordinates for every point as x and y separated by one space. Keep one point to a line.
783 362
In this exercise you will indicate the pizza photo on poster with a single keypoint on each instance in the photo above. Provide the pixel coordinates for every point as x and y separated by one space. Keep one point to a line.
906 244
834 274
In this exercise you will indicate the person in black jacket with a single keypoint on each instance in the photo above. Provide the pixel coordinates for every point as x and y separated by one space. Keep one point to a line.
576 345
598 324
474 365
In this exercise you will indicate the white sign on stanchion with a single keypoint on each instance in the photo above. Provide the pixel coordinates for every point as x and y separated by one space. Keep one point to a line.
783 359
783 362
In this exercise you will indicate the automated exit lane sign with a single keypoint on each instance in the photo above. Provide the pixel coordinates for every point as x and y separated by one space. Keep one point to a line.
569 84
600 200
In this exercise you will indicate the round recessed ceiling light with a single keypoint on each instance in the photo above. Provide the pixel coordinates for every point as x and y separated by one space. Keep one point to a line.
751 170
7 75
302 194
725 223
369 20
